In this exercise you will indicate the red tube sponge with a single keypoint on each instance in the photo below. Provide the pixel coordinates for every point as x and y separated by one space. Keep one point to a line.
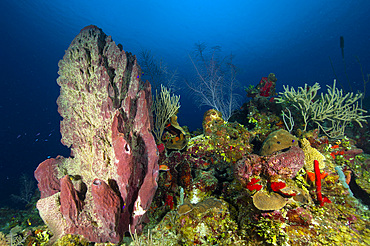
320 198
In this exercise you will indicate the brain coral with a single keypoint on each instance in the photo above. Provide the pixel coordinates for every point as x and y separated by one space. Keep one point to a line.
278 140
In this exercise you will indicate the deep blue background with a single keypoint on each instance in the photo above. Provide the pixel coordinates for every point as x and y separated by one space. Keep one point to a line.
293 39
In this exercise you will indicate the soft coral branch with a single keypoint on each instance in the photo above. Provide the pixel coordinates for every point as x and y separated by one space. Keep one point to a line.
215 86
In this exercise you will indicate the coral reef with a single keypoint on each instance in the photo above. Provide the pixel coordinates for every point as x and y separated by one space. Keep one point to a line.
285 165
229 141
232 184
111 177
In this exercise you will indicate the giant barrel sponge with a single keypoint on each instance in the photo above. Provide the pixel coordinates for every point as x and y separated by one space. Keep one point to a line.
108 182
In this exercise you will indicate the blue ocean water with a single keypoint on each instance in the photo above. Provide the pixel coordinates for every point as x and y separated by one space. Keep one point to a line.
293 39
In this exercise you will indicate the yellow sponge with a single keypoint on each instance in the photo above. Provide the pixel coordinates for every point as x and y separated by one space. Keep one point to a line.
311 154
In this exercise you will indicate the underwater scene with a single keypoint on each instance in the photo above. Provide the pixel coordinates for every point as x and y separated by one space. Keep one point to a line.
185 122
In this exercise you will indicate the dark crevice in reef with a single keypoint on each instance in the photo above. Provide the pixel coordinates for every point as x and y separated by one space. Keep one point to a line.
358 192
101 40
127 76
